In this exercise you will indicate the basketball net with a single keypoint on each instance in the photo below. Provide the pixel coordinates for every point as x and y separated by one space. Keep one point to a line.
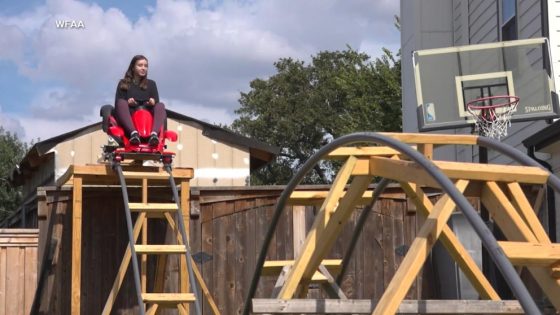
493 120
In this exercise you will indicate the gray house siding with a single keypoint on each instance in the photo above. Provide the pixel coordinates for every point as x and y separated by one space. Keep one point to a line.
475 22
460 22
483 21
471 22
529 18
554 35
426 24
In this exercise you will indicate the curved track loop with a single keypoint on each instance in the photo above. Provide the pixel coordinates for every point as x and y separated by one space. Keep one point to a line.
486 236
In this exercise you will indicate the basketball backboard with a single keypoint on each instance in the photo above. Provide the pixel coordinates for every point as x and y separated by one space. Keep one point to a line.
448 78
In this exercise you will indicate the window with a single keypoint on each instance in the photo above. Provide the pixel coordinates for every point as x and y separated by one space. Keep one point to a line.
509 20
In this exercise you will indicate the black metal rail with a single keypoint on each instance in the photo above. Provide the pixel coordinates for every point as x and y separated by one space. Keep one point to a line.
359 226
136 270
182 230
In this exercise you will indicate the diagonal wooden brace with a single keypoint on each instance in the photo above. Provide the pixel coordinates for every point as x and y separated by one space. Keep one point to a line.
454 247
326 228
417 254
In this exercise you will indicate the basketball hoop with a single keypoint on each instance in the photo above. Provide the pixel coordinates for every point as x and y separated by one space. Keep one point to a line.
492 114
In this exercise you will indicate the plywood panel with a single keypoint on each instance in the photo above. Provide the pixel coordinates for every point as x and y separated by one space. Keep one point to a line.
241 161
62 157
204 150
189 140
82 149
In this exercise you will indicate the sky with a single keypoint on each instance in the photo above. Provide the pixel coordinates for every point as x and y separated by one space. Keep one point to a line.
202 54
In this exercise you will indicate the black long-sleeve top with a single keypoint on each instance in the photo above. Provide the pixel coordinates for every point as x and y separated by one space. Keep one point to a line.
134 91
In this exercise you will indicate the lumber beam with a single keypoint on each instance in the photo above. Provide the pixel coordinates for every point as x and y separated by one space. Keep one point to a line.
186 214
417 254
505 215
316 197
555 270
431 138
152 309
332 288
274 267
412 172
345 152
75 300
531 254
523 207
168 298
144 257
102 174
337 306
427 149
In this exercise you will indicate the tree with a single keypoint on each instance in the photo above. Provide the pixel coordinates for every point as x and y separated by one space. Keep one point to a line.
12 151
302 107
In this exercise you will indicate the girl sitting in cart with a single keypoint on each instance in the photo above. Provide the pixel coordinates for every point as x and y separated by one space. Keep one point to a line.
135 88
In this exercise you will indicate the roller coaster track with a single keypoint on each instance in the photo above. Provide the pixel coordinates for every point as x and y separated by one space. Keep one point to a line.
399 142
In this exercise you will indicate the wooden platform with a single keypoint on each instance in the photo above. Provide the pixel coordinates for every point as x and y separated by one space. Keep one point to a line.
80 176
310 306
102 174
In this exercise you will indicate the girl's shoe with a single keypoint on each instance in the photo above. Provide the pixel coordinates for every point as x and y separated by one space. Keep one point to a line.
134 138
154 139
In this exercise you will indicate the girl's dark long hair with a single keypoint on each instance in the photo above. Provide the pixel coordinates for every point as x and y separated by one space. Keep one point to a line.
125 82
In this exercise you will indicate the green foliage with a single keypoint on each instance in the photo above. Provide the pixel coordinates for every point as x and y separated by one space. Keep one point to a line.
12 151
302 107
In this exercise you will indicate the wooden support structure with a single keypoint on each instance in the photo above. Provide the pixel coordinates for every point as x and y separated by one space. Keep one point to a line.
82 176
498 187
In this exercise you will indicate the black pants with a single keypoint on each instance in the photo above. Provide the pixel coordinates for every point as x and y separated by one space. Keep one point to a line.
123 114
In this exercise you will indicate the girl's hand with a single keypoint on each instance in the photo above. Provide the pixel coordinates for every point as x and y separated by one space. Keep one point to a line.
152 101
131 101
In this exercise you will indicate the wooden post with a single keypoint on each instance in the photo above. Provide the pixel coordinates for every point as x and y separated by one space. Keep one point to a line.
76 245
427 149
144 257
185 207
299 228
417 254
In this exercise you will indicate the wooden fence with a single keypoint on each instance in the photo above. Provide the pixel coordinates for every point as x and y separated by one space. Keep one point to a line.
229 234
227 228
18 270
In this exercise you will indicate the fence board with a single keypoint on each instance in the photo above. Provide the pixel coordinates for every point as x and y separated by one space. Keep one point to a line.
18 270
207 246
30 277
3 269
